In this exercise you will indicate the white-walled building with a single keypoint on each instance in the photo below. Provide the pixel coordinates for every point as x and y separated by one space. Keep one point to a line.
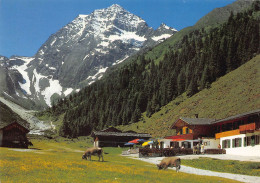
240 134
210 143
242 144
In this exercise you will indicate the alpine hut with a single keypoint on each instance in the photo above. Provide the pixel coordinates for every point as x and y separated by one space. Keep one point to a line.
112 137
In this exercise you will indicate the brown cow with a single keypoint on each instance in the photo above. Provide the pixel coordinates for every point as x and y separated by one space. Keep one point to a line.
95 151
170 162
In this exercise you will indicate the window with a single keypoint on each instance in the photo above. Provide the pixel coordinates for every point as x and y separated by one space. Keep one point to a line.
226 143
187 130
253 118
252 140
236 142
206 143
236 124
181 131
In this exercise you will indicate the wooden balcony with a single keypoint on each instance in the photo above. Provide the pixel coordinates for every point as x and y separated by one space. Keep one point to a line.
248 128
189 136
227 133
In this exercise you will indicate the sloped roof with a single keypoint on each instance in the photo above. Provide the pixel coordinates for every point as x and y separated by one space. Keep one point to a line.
8 117
25 125
257 111
198 121
193 121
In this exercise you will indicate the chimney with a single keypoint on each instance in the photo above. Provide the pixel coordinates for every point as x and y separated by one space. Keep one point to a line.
196 115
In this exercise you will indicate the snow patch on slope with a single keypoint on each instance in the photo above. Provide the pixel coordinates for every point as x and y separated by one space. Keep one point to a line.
120 61
164 36
22 70
68 91
98 75
128 37
54 87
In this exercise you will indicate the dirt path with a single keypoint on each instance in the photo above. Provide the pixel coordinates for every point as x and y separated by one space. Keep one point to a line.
197 171
36 126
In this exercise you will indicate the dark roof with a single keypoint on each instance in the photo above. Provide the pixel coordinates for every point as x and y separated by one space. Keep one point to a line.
120 134
25 125
198 121
130 131
257 111
8 117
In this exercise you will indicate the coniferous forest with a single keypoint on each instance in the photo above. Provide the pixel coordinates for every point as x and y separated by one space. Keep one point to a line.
144 85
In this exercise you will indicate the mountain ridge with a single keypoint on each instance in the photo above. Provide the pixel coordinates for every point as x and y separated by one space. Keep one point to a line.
79 54
147 85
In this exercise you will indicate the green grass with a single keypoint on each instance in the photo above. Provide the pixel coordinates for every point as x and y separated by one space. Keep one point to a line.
59 160
228 166
234 93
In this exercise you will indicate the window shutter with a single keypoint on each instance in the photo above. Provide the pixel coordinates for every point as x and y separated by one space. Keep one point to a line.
223 144
257 139
240 142
252 140
233 142
228 143
245 141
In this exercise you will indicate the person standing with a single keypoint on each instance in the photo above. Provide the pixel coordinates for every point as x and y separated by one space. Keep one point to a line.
202 149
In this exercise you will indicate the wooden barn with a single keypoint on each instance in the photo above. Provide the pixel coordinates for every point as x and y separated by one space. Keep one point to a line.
13 134
13 128
112 137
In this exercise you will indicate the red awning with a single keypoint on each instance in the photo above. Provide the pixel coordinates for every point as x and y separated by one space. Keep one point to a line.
189 136
178 140
135 141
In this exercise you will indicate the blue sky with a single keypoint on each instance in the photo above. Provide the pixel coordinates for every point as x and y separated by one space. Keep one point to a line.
26 24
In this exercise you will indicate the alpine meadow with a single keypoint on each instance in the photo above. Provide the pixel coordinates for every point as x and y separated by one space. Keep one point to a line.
130 91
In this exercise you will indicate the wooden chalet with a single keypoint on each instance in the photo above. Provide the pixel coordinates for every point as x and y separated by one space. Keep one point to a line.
238 134
112 137
13 134
189 129
192 128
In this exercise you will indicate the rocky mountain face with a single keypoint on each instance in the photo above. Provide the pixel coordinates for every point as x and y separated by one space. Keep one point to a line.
77 55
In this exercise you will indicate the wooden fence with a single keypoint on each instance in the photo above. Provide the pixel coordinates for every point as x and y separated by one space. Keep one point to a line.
156 152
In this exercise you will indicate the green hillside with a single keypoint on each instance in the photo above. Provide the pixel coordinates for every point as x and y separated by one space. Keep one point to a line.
212 19
234 93
145 85
7 115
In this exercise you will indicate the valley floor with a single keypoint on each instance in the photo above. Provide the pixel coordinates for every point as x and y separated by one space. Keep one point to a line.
197 171
59 160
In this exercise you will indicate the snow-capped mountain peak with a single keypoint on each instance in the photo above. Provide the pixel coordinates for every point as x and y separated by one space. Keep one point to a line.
79 53
164 26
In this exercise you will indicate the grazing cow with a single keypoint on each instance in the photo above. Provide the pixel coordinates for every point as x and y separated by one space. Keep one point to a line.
93 151
170 162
